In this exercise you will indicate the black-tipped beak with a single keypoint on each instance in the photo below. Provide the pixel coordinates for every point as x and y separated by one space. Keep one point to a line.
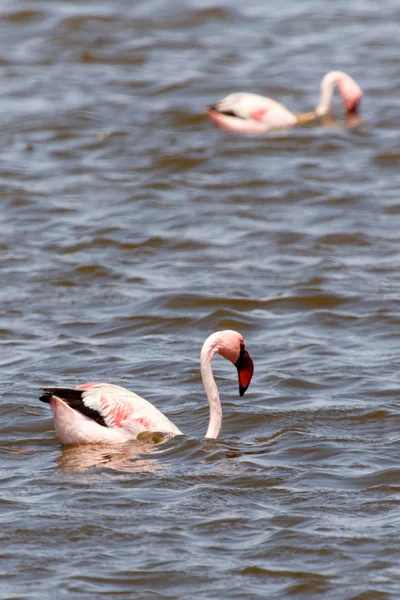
211 107
353 110
245 367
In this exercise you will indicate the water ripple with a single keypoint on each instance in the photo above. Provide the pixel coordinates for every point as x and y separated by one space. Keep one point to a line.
132 229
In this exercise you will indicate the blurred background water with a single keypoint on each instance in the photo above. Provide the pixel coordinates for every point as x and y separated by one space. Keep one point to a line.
131 229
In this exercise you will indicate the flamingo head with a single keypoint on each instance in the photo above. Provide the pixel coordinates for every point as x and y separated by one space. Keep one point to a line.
231 346
350 92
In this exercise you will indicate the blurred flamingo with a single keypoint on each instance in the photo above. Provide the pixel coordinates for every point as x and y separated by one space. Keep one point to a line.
250 113
105 413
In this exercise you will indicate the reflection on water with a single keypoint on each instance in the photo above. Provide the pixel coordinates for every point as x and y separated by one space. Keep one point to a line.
130 456
349 121
132 229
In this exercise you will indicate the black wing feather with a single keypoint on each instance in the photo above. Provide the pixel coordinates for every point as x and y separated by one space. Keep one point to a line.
74 399
228 113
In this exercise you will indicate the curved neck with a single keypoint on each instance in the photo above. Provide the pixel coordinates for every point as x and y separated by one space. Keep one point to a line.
325 95
210 347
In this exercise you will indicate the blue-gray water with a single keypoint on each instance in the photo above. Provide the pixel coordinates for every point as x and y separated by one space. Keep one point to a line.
132 229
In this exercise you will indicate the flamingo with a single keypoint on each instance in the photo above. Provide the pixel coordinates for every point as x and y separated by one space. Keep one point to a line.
105 413
250 113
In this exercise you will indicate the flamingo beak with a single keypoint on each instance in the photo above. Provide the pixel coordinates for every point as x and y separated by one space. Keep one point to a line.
353 108
245 367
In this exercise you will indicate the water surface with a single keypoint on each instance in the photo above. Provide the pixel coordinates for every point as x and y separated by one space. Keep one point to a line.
131 230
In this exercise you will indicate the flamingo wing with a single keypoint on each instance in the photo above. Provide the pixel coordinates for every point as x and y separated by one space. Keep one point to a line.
251 113
114 407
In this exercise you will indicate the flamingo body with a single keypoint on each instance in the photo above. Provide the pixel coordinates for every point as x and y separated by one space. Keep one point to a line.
104 413
250 113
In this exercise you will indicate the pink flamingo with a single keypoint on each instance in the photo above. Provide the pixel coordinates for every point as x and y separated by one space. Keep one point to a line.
105 413
251 113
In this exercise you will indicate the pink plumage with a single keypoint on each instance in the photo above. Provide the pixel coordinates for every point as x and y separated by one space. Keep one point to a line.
105 413
250 113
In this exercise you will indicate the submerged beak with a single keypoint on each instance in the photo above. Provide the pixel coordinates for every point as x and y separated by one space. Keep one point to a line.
245 368
353 109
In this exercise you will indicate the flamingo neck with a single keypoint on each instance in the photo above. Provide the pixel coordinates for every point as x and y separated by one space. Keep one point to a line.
210 347
326 93
307 117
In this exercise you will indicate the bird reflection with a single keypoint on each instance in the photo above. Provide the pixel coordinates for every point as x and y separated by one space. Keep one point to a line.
128 457
354 120
350 121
